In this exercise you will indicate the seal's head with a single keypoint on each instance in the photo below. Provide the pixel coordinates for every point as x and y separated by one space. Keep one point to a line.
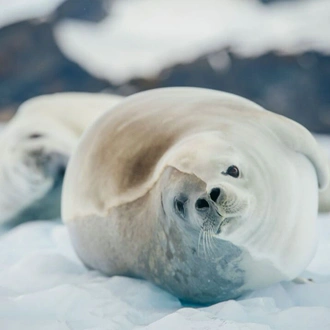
248 193
212 193
239 203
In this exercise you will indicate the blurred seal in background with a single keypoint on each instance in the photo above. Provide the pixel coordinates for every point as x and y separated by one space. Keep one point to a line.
35 147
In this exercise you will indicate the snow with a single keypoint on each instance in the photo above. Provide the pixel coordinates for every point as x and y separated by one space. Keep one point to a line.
13 11
43 285
143 37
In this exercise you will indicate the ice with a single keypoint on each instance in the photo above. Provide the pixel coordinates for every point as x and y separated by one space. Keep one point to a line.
18 10
186 319
143 37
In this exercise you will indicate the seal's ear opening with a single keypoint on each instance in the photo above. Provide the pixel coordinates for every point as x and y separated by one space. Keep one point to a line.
298 138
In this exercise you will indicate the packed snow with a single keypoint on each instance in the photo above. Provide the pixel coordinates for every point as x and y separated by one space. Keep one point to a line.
13 11
143 37
43 285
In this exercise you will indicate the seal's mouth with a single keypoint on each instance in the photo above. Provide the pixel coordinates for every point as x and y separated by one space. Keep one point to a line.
209 212
223 222
213 224
218 230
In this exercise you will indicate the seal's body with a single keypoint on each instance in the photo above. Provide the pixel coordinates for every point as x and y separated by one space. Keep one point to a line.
35 147
201 192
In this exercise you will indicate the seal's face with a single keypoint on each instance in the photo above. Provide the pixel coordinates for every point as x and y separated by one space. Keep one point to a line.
209 211
211 188
212 208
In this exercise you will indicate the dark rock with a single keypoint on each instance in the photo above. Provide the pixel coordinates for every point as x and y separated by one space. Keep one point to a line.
296 86
89 10
31 62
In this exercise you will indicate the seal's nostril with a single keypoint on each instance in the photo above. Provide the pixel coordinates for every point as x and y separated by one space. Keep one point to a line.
214 194
202 204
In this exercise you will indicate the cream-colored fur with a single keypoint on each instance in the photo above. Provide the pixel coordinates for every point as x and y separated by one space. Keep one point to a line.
268 214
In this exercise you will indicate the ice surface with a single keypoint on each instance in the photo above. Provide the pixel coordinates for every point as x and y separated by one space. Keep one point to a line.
142 37
17 10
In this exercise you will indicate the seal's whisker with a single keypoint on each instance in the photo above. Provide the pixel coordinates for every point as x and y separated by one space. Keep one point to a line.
204 244
211 247
204 240
199 242
212 244
207 241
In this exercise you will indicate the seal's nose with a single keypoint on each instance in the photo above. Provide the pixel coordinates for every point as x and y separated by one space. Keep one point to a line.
215 194
202 205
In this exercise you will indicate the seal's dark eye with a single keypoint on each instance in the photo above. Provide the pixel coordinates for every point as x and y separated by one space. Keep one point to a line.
35 136
233 171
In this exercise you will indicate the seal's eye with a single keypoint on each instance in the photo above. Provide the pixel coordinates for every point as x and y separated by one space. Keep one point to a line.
35 136
233 171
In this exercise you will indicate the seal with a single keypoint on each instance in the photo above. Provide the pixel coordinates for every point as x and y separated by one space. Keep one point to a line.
201 192
35 147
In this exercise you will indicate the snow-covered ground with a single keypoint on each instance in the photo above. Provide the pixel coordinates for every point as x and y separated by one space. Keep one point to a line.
43 285
143 37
